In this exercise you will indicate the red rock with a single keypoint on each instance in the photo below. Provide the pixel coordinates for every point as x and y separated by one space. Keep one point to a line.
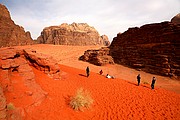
7 53
153 47
42 62
6 63
73 34
19 60
98 57
10 33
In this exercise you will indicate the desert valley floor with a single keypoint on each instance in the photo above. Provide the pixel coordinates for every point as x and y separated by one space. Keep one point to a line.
114 99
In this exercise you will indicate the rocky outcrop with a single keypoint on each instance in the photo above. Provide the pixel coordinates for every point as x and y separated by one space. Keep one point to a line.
10 33
97 57
154 48
176 19
72 34
43 63
14 61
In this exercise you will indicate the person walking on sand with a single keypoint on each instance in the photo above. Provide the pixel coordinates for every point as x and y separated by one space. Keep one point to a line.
138 79
101 72
87 71
153 82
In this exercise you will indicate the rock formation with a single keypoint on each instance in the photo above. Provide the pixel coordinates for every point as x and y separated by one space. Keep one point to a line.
10 33
97 57
176 19
72 34
154 48
19 61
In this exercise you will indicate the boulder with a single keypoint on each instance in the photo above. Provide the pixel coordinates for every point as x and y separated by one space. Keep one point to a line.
97 57
72 34
10 33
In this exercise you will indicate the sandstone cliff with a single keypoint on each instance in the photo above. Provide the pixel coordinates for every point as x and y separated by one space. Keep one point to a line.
154 48
10 33
72 34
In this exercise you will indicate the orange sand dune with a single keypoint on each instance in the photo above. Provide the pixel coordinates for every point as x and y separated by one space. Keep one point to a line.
114 99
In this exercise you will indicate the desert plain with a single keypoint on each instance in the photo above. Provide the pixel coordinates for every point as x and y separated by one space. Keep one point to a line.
114 99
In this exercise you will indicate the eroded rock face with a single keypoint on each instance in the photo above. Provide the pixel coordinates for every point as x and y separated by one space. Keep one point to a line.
72 34
19 61
10 33
97 57
154 48
43 63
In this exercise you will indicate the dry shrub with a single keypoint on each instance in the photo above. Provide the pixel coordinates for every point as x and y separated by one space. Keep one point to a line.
82 99
10 106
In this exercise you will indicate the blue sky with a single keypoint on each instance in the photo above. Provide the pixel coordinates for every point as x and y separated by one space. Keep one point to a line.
107 16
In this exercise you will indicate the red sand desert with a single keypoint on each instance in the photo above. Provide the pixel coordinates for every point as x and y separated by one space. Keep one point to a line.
114 99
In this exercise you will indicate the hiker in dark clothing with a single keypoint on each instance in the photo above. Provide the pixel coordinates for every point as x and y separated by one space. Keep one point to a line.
138 79
153 82
87 71
101 72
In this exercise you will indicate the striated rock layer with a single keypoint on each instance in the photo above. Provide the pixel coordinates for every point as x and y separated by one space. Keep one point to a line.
10 33
154 48
72 34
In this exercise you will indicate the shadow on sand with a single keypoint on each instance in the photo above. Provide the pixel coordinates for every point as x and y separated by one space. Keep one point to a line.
82 75
139 85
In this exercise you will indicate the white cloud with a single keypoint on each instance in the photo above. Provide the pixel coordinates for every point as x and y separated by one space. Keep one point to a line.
107 16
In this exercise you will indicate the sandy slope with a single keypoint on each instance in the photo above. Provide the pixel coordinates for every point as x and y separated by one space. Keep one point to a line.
68 55
114 99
